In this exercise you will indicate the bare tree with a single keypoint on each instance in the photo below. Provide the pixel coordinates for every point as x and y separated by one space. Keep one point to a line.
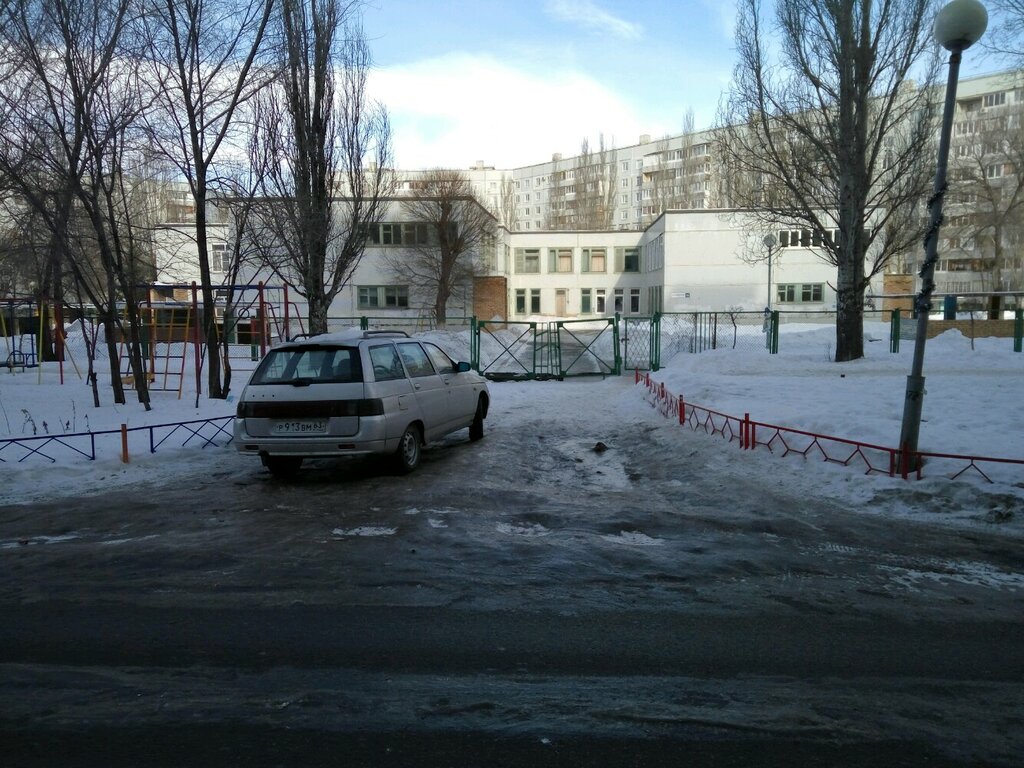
596 179
327 160
507 202
238 256
73 100
830 138
1005 38
452 237
205 64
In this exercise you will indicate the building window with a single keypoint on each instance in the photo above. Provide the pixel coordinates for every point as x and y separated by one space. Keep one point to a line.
528 259
383 297
560 260
794 293
994 171
520 301
221 256
535 301
395 233
805 238
594 259
618 300
600 301
995 99
634 300
585 301
627 259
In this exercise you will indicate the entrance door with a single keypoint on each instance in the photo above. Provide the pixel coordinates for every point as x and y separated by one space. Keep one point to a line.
560 302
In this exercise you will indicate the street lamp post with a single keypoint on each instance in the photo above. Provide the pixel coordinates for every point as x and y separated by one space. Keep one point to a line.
769 244
958 26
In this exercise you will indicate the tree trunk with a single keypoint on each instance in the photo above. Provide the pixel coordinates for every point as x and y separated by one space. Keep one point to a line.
110 323
211 336
318 309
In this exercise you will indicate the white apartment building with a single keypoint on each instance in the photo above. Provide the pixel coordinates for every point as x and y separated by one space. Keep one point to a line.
669 245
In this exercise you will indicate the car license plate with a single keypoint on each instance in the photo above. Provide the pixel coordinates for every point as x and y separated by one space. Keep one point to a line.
300 427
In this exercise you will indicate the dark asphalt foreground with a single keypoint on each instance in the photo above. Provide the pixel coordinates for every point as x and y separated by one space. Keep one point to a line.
115 685
245 745
522 601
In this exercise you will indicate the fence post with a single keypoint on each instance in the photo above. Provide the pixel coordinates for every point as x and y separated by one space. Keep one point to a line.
894 331
1018 329
682 410
656 341
124 444
774 330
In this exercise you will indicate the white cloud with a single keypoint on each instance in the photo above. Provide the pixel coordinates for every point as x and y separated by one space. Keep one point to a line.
725 11
587 14
457 109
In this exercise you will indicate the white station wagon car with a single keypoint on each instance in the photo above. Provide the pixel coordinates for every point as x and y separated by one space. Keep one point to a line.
356 393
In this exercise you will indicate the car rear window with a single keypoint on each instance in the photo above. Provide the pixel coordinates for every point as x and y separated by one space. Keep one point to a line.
312 364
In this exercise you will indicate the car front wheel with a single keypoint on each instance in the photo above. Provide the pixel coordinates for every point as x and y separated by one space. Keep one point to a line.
407 457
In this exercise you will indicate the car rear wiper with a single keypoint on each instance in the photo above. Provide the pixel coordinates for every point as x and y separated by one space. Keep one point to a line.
300 382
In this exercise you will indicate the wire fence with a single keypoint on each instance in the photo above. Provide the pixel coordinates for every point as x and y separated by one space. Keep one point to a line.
123 442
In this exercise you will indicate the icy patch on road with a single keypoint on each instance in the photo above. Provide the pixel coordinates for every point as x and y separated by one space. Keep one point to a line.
522 529
967 574
118 542
364 530
33 540
633 539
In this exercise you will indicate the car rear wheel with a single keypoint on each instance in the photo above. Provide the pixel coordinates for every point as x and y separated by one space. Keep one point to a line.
282 466
476 429
407 457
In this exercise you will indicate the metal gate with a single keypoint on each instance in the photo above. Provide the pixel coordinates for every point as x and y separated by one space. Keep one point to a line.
640 340
535 350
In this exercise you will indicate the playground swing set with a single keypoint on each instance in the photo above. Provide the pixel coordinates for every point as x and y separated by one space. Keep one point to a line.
171 324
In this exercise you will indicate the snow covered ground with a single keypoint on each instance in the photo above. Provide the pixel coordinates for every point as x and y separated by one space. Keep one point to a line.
972 407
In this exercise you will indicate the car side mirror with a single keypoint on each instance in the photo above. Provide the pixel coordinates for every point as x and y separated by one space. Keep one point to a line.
462 367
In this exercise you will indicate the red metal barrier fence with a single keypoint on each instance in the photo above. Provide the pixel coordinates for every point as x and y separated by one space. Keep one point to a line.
785 440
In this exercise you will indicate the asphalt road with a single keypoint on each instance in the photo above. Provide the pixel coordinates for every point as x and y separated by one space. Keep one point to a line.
493 609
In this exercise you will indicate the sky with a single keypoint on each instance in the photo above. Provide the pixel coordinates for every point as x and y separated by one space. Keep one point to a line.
511 82
972 407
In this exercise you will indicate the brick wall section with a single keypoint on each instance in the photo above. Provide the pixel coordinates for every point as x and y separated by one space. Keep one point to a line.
490 298
981 328
898 284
